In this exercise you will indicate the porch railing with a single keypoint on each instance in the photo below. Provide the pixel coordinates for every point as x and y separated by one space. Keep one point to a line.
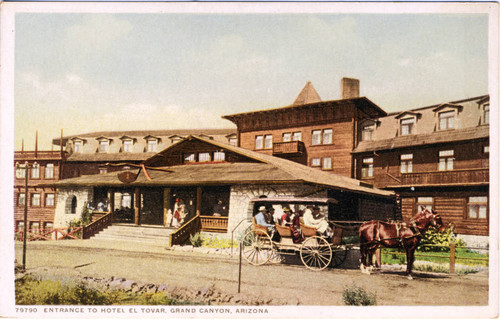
182 234
49 234
446 177
292 147
96 226
196 224
214 224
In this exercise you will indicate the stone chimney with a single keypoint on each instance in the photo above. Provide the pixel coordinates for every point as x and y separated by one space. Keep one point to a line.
349 88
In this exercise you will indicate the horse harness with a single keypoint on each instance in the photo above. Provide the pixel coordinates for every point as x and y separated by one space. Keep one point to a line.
413 227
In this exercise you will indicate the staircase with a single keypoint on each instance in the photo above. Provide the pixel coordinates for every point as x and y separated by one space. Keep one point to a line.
143 234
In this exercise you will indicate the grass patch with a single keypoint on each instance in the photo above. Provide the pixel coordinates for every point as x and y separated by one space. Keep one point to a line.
463 256
30 291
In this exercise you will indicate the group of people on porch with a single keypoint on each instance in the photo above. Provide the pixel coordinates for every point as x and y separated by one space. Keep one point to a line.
311 217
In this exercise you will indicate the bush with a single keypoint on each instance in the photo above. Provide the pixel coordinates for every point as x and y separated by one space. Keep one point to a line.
30 291
444 238
357 296
196 240
214 242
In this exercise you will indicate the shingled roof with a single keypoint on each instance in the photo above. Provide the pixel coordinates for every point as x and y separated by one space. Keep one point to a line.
268 169
307 95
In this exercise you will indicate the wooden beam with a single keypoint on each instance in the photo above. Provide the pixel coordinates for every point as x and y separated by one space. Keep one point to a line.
198 201
137 200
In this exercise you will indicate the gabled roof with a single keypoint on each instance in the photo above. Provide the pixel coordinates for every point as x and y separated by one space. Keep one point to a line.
411 113
102 137
450 105
297 171
307 95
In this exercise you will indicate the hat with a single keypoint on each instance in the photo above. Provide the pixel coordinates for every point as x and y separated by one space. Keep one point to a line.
287 209
315 208
262 208
177 200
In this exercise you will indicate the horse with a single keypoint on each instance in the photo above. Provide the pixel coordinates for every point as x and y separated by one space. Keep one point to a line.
374 233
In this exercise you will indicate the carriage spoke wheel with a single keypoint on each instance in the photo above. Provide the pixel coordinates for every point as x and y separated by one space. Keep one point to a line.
316 253
257 247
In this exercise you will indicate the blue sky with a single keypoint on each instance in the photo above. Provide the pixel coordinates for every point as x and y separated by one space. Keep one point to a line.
87 72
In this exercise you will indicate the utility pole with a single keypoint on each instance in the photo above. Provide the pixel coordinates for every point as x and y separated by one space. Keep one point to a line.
25 228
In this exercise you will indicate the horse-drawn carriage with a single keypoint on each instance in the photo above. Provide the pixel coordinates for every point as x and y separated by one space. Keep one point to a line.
316 251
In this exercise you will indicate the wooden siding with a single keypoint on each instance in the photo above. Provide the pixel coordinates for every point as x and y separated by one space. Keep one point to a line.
339 150
470 165
453 208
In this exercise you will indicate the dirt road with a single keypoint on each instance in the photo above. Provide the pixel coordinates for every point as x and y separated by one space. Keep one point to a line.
295 284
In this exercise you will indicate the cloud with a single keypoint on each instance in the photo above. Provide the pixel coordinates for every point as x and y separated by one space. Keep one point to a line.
97 32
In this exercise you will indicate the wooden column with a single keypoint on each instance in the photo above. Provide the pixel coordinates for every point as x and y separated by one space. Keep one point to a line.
166 205
111 200
137 207
198 201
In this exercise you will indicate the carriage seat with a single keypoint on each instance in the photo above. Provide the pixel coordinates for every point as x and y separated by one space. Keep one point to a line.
284 231
307 231
256 226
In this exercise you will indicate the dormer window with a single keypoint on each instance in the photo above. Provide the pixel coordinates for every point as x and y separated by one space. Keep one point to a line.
152 145
486 114
127 145
407 126
447 120
78 146
103 146
367 132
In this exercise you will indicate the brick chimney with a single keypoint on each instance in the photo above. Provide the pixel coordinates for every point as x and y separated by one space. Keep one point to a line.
349 88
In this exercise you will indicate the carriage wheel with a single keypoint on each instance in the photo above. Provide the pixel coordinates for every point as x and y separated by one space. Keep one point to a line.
339 256
316 253
257 247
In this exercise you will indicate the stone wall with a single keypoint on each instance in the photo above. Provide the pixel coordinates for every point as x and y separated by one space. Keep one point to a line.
64 197
242 194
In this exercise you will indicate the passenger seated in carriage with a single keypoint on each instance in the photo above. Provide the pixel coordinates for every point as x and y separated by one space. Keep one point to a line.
312 218
264 218
292 220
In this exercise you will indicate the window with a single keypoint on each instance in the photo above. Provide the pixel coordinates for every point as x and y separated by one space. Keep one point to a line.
486 114
78 146
20 171
367 132
20 225
73 205
268 141
126 201
152 144
49 199
189 158
315 162
327 136
127 145
48 226
297 136
204 157
287 137
327 163
103 170
35 199
406 163
446 160
35 227
446 120
478 207
316 137
425 202
35 171
103 146
21 199
49 171
233 141
407 126
367 167
259 142
219 156
486 149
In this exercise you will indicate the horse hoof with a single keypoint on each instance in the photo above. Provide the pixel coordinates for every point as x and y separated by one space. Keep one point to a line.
410 277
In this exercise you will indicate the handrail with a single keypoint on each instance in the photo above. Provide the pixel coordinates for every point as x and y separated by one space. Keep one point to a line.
232 231
182 233
96 226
